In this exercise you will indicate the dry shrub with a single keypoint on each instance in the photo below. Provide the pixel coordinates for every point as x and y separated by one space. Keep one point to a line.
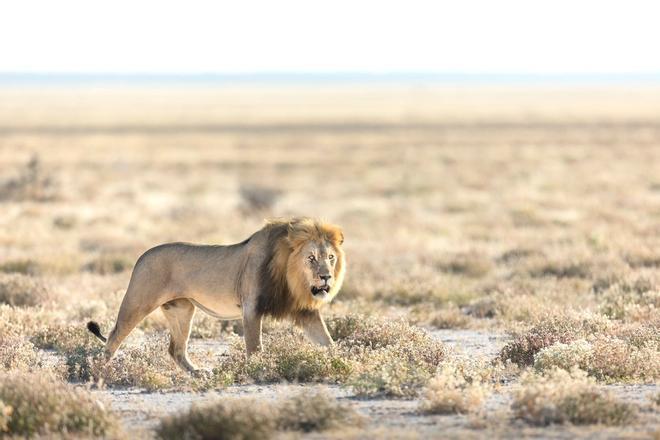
21 266
107 264
5 415
411 292
234 418
63 337
22 291
40 404
31 183
315 411
258 199
616 360
358 330
451 392
248 418
564 356
449 317
655 399
388 358
643 258
145 366
560 268
567 397
20 321
471 264
385 374
286 357
562 329
17 354
376 357
636 301
609 357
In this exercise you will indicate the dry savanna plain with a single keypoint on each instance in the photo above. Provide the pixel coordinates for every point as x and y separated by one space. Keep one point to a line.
503 248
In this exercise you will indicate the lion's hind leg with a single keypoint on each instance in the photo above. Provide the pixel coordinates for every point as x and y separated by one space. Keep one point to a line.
179 314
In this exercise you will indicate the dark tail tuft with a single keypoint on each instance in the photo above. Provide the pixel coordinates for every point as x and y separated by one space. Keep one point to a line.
96 330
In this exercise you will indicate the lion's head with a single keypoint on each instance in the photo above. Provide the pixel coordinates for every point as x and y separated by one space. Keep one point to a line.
308 264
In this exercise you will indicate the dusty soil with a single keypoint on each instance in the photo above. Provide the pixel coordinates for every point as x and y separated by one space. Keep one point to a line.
140 411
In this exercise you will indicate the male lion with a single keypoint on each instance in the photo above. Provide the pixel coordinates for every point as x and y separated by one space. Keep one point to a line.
289 268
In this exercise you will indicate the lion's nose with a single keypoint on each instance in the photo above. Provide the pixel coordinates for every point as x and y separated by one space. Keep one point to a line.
325 277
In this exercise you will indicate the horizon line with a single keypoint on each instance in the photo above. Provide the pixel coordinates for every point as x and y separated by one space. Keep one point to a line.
312 77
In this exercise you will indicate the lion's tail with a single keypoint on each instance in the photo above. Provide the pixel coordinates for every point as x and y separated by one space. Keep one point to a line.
96 330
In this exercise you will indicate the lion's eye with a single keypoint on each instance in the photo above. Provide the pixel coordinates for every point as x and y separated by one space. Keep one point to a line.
311 258
331 257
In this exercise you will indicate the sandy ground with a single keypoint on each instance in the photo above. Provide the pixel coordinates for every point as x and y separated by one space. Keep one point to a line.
140 411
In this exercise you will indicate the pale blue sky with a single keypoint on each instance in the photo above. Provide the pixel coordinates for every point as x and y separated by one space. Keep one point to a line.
509 36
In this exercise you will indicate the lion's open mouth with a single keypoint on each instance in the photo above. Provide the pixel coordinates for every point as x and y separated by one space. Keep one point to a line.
320 290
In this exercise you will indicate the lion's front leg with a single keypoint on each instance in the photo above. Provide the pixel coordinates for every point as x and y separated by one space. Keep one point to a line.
252 332
315 329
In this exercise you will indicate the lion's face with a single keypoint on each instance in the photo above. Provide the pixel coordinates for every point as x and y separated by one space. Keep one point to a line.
318 267
315 264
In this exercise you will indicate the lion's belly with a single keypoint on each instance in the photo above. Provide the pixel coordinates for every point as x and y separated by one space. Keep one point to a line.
219 305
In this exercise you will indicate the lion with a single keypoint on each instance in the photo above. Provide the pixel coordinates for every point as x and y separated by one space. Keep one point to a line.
288 269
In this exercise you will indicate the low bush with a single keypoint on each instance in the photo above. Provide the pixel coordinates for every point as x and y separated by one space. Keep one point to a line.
5 415
567 397
470 264
450 392
248 418
106 264
604 357
560 268
385 374
315 411
631 302
17 353
375 357
38 404
562 329
22 291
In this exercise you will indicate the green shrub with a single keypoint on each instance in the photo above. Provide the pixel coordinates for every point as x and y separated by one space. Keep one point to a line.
40 404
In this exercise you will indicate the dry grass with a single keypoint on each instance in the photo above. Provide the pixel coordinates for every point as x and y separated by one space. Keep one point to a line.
37 404
375 357
568 397
451 392
607 350
22 290
248 418
459 210
561 329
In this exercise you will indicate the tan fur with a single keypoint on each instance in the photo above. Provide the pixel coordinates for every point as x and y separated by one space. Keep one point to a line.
278 271
285 267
